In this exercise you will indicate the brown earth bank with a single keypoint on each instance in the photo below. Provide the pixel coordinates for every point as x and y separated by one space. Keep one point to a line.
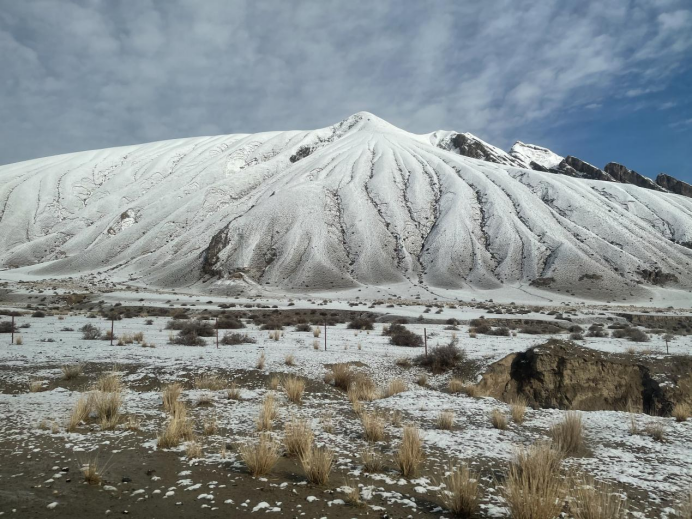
561 374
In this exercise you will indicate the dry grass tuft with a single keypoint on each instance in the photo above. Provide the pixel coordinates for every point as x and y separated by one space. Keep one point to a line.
533 487
316 344
138 337
327 423
317 463
274 383
499 419
261 456
373 427
260 365
93 471
396 386
72 371
109 383
133 423
568 435
410 454
107 407
594 499
681 412
193 450
342 375
212 382
294 388
35 385
178 427
233 392
18 340
372 461
396 418
170 395
455 386
656 430
289 360
316 332
268 412
461 493
353 494
362 388
80 413
422 381
210 425
471 390
205 399
518 407
445 420
298 437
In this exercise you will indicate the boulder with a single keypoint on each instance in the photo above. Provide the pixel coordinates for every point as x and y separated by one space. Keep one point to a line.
673 185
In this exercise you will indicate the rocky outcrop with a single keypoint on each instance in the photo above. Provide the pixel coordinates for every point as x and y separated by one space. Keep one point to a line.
560 374
622 174
585 169
673 185
470 145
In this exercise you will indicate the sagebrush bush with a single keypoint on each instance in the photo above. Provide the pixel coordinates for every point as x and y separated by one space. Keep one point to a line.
90 332
442 358
226 322
361 323
236 338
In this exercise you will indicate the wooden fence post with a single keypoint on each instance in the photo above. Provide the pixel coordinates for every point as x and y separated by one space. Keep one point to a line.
112 320
325 336
12 340
425 343
216 324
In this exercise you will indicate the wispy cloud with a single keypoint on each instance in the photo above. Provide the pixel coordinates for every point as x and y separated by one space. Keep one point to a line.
90 73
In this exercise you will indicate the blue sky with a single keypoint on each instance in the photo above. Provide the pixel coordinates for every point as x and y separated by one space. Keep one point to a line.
604 81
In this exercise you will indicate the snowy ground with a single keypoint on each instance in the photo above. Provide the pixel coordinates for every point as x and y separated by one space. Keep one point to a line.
653 474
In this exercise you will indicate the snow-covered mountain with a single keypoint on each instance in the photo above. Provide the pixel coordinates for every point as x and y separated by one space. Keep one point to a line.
358 203
531 153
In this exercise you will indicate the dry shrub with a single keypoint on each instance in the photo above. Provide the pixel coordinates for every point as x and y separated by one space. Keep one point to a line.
170 395
445 420
656 431
233 392
289 360
109 383
210 382
294 388
403 362
353 494
681 412
394 387
568 435
72 371
93 470
260 456
268 412
35 385
327 423
422 381
373 427
274 382
396 418
499 420
471 390
210 426
461 493
317 463
343 376
362 388
298 437
205 399
594 499
80 413
107 407
518 407
193 450
316 332
138 337
316 345
533 487
18 340
372 461
133 423
178 427
260 365
455 386
410 454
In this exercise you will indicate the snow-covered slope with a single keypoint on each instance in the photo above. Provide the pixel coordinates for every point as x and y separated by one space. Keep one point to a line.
529 153
358 203
470 145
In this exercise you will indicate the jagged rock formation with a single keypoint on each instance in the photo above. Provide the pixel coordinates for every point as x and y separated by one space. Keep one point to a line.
584 169
673 185
471 146
622 174
357 203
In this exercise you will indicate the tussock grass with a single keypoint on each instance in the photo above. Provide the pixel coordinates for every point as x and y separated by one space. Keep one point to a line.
205 399
594 499
410 454
445 420
394 387
79 414
260 456
471 390
210 425
177 429
212 382
372 461
533 487
290 360
327 423
138 337
268 412
396 418
35 385
316 344
18 340
316 332
170 395
93 470
373 427
499 419
681 412
107 407
656 431
461 492
353 494
294 388
568 435
342 375
133 423
298 437
193 450
260 365
72 371
422 381
518 407
109 383
362 388
233 392
455 386
274 383
317 464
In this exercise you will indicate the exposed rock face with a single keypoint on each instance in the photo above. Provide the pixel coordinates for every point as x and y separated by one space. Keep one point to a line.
622 174
470 145
673 185
560 374
585 169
